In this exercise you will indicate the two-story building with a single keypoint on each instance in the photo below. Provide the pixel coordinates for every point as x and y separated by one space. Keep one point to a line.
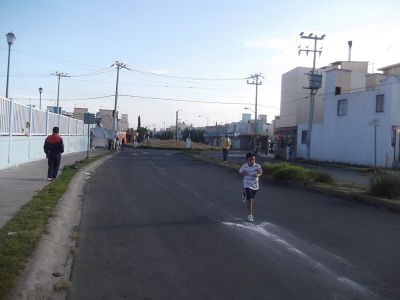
295 108
361 117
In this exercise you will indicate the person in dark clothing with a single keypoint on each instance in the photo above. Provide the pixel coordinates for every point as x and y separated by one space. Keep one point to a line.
122 144
53 147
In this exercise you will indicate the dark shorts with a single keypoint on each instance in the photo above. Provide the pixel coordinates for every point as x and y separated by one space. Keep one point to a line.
250 194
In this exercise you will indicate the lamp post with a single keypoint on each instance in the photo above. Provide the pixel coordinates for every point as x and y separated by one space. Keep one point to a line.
250 109
205 118
10 40
40 97
176 125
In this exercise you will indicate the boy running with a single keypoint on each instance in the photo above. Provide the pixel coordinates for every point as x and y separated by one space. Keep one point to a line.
250 172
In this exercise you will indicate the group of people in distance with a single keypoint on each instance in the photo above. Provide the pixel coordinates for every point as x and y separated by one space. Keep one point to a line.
250 171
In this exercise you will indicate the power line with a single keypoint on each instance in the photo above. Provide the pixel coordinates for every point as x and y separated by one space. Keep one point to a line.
53 58
184 77
99 72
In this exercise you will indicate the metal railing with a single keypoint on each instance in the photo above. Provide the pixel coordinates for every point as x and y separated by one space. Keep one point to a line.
19 119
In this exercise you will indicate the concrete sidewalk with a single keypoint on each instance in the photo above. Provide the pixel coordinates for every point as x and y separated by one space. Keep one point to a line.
18 185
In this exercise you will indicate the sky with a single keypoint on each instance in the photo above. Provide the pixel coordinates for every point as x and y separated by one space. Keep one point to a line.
190 56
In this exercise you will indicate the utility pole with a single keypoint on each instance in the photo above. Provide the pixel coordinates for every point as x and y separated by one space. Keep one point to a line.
176 124
255 82
59 75
118 66
315 81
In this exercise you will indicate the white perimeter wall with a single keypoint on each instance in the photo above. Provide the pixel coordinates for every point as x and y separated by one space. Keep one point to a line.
25 149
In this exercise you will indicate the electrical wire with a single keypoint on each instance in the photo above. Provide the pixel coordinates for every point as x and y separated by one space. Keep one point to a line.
183 77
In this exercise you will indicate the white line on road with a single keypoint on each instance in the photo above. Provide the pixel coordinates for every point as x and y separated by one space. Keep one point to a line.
262 229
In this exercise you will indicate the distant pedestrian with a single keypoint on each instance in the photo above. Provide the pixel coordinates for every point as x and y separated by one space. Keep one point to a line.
287 150
53 147
117 144
226 145
122 144
250 172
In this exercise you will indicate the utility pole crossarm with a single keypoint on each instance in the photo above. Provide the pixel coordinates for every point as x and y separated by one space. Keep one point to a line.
59 75
255 82
315 83
118 65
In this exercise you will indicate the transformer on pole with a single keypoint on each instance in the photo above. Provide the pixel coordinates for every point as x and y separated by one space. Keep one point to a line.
315 83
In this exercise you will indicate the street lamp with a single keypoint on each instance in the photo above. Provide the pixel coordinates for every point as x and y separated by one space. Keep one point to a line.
176 125
10 40
205 118
40 97
250 109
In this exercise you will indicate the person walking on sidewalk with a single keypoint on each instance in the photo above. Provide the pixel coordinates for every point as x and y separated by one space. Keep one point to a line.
53 147
250 172
226 145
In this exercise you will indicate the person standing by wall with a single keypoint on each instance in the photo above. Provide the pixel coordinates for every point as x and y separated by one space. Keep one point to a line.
53 147
226 145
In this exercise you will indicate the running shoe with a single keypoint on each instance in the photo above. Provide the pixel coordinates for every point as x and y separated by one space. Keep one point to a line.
250 218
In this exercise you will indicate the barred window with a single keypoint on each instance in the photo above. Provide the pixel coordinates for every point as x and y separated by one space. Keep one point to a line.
380 102
304 137
342 107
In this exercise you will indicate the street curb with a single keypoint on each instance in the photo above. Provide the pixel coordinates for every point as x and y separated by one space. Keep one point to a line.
47 274
356 196
327 190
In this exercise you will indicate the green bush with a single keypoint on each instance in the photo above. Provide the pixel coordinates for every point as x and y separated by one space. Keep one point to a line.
385 186
272 169
292 173
283 172
320 176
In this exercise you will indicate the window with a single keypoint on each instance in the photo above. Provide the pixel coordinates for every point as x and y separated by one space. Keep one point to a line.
304 137
338 90
342 107
380 102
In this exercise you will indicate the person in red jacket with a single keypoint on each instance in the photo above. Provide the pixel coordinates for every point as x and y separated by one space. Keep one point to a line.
53 147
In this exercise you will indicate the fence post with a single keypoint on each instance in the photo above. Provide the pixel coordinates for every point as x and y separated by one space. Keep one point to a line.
47 123
69 134
10 129
29 132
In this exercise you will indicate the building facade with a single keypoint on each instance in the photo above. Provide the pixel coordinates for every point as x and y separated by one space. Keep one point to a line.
361 120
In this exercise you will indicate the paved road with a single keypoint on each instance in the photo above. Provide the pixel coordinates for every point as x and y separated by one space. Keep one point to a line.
160 225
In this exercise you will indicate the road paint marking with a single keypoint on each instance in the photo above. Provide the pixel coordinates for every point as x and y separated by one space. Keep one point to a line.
276 238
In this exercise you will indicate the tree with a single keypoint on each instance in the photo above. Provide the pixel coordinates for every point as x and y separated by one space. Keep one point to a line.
138 123
142 133
196 135
166 135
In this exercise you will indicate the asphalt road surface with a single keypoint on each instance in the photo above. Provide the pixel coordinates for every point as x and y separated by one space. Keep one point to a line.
161 225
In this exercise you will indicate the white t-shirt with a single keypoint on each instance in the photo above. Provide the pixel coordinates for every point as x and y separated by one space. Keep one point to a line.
250 180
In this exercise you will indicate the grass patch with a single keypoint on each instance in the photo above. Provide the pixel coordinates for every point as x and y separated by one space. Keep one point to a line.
172 145
20 236
386 185
284 172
